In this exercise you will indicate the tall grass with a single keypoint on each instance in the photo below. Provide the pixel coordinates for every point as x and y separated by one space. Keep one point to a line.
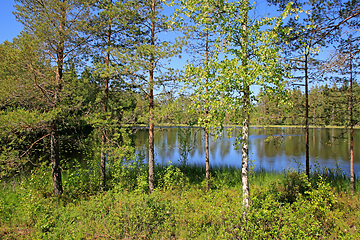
284 205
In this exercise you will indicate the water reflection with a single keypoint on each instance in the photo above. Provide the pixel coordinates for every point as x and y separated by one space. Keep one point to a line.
284 149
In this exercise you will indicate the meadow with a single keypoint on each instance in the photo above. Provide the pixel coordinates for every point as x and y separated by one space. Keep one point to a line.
284 205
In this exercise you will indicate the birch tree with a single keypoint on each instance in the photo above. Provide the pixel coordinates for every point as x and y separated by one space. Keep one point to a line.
197 19
246 55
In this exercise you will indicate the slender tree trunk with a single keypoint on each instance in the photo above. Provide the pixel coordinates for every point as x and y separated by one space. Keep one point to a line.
103 160
207 167
55 160
245 152
307 160
106 93
151 147
54 137
245 129
314 117
352 177
151 104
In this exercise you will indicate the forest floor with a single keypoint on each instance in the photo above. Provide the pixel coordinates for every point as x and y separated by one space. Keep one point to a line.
285 205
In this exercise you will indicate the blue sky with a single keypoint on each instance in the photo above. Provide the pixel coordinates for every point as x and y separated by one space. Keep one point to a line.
9 27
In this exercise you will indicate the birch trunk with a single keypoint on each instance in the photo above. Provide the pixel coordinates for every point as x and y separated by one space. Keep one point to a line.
246 101
151 104
245 157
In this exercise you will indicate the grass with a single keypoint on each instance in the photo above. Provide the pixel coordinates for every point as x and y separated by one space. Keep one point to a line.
283 205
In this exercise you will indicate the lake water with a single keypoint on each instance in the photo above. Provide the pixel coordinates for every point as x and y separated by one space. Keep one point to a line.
269 148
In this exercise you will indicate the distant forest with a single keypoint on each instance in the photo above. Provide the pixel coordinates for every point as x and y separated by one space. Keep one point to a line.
328 106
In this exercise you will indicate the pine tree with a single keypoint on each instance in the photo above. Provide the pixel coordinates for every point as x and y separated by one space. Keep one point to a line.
302 47
58 26
149 69
24 74
345 66
115 33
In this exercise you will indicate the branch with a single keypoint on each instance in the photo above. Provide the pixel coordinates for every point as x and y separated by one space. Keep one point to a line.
338 25
41 88
32 146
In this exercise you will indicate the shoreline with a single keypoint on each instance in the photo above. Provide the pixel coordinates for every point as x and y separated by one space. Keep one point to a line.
144 126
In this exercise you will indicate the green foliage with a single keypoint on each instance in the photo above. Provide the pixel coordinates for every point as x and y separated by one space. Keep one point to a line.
291 186
243 54
180 207
309 216
9 202
131 176
186 145
226 177
236 65
40 180
173 178
79 182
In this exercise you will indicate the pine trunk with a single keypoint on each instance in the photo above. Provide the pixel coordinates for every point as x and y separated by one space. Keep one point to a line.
103 160
207 167
307 160
55 161
54 137
352 177
106 91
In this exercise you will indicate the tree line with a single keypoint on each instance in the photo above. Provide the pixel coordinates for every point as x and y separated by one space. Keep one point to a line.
328 106
82 73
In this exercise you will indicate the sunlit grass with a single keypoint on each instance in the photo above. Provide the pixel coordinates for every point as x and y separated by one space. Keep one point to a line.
284 205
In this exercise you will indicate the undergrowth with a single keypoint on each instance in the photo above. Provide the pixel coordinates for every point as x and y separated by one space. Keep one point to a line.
285 205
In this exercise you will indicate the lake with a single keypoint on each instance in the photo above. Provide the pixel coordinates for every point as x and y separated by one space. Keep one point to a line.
270 148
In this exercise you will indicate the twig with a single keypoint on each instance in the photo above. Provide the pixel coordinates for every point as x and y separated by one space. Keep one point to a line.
33 145
107 231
